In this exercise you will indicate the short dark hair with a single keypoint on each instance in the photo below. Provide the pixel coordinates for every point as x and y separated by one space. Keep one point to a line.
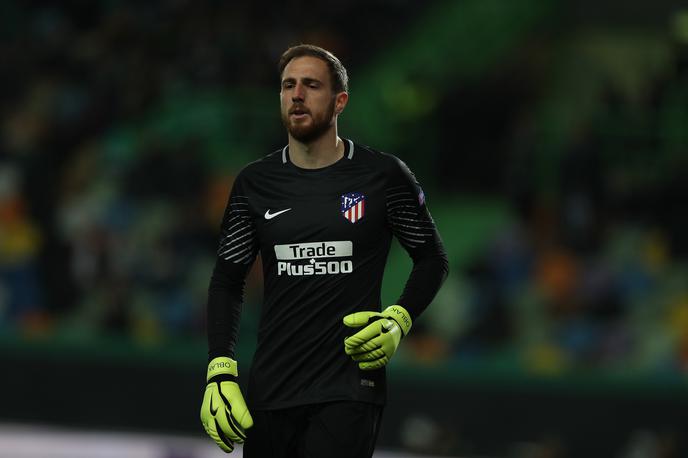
338 75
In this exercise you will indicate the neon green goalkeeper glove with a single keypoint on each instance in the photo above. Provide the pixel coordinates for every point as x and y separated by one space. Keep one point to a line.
373 346
224 413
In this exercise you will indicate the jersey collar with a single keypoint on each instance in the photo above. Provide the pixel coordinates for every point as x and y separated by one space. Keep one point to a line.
348 151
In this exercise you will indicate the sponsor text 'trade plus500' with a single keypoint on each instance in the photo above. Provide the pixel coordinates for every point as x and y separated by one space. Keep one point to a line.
304 258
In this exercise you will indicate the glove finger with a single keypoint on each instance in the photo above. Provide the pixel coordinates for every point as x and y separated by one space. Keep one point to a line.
240 414
220 439
358 319
224 442
229 424
370 350
368 355
373 343
375 353
205 406
363 336
372 365
222 416
238 435
365 347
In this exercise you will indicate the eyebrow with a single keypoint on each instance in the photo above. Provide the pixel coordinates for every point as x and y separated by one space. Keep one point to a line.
306 80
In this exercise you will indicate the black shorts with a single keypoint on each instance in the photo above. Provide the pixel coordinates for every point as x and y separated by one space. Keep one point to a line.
345 429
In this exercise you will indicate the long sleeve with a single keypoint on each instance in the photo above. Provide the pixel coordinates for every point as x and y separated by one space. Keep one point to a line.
410 222
236 253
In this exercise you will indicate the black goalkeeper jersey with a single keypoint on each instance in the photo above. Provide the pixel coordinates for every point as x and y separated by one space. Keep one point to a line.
323 235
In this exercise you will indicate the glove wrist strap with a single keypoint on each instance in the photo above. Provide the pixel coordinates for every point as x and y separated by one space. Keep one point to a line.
222 366
401 316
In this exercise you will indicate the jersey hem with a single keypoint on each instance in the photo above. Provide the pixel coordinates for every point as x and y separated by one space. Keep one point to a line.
303 402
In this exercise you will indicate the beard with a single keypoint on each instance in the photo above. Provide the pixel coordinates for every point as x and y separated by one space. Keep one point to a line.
307 133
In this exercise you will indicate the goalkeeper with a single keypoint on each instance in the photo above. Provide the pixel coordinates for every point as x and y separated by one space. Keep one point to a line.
322 212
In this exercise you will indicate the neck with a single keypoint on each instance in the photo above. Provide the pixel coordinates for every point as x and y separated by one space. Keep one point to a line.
319 153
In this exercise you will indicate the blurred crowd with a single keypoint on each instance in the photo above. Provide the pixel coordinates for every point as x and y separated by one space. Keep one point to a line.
121 133
104 232
589 270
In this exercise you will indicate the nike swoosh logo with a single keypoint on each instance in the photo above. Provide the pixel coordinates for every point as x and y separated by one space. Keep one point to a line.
212 411
386 327
269 215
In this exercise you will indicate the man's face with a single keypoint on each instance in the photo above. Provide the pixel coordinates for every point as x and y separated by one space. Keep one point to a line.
307 99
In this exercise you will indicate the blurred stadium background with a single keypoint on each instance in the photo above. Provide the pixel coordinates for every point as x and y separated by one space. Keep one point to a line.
551 138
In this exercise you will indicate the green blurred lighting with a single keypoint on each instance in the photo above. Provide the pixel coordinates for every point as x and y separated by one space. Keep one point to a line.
680 26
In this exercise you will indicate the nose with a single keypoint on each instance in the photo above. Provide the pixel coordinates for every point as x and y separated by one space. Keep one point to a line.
298 93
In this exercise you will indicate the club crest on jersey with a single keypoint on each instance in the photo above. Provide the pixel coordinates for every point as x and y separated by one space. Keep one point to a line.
353 206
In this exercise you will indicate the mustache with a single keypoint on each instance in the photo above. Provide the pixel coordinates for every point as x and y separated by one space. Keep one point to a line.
298 107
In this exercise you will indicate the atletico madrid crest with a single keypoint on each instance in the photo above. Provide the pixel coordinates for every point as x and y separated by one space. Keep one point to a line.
353 206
